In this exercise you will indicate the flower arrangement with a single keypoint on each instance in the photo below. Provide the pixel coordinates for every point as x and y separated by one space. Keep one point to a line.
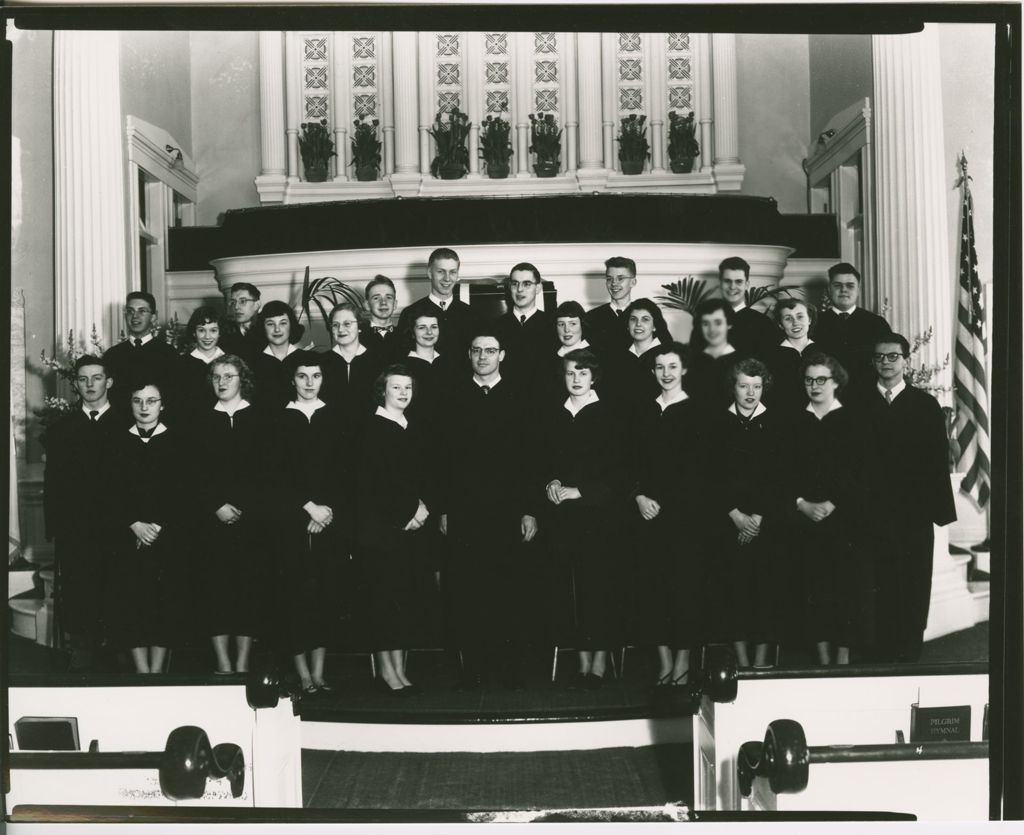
633 147
316 148
56 407
496 146
546 143
450 132
683 147
924 376
366 149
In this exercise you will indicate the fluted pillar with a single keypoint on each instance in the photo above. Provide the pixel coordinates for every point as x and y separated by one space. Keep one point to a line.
473 85
655 71
592 172
426 101
609 109
293 113
522 63
728 169
273 158
912 181
404 49
91 276
571 109
702 45
387 105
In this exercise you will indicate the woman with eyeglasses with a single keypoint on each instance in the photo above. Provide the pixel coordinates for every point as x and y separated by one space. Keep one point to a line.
796 319
823 492
203 331
585 493
392 507
145 595
279 328
231 442
711 354
743 518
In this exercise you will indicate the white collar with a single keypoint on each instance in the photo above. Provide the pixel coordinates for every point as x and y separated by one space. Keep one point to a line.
359 351
839 312
199 355
147 338
591 398
614 305
438 301
100 411
244 327
739 307
307 407
159 429
400 420
220 407
896 389
835 405
519 314
636 353
413 353
787 344
291 350
565 349
730 350
491 384
679 397
759 410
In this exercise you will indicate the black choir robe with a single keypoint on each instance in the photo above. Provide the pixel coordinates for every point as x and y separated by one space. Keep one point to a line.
753 333
527 347
909 491
273 379
851 342
130 365
787 392
606 327
628 380
386 344
78 510
349 387
245 345
707 379
196 391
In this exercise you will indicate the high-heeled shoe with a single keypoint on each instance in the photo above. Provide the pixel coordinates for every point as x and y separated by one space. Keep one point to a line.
387 688
681 680
664 680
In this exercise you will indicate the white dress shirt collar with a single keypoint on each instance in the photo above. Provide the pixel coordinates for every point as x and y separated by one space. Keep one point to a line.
481 382
896 389
839 312
438 300
101 411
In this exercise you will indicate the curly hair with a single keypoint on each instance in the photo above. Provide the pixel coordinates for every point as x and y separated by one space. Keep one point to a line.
245 375
584 358
750 367
661 331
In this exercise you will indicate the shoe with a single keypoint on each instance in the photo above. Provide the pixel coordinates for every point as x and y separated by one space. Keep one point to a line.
664 681
322 687
310 690
681 681
593 682
380 684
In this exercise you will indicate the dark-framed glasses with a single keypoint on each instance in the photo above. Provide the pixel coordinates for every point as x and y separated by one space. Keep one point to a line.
816 381
891 357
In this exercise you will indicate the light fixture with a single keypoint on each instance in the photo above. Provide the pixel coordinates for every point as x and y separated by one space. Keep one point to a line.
175 152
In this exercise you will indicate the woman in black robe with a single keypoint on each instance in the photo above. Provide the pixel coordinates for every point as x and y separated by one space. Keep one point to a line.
272 367
204 330
628 381
711 355
585 493
392 508
669 466
146 599
784 359
230 443
572 334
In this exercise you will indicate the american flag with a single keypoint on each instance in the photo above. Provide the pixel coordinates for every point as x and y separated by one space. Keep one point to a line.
971 344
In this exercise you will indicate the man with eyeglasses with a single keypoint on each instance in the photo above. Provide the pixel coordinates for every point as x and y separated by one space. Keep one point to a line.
244 304
846 331
489 517
527 333
605 322
909 492
77 508
141 354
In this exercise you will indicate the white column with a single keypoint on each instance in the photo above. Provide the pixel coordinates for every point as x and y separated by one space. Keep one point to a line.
428 107
702 47
912 184
655 72
293 109
387 102
472 83
273 167
609 108
728 168
522 73
91 276
406 178
570 106
592 173
341 102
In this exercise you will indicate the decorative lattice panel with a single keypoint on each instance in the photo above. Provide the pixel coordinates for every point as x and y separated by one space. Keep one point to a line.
365 75
679 71
497 74
629 73
448 71
546 71
316 73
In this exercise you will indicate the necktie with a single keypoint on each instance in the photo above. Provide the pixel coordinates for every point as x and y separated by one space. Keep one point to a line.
138 342
618 312
485 389
443 305
383 330
94 416
888 396
844 316
522 319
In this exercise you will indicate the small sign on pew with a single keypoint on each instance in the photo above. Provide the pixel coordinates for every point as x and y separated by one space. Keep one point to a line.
950 723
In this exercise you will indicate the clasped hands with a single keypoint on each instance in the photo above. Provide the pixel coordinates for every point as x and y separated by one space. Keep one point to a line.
146 533
557 493
748 525
418 518
320 516
816 511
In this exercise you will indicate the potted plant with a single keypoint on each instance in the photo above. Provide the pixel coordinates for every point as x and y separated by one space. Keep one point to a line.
450 132
546 143
495 146
365 149
317 148
633 147
683 148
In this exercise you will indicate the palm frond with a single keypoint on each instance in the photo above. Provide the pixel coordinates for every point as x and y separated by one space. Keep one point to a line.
684 294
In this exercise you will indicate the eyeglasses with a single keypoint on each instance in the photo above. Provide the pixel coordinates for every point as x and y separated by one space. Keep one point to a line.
487 352
239 302
149 401
224 378
887 357
816 381
522 285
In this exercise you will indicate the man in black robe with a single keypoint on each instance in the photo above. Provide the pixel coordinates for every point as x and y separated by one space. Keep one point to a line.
489 517
604 322
847 332
142 355
245 339
379 331
909 492
527 334
76 504
753 334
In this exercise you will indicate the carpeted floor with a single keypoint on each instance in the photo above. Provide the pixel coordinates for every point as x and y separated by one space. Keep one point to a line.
605 777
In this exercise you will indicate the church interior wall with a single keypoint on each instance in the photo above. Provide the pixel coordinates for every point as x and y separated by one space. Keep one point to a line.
226 121
155 81
840 75
773 91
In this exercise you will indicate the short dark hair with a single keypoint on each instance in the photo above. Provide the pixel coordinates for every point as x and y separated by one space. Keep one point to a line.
140 382
279 308
488 331
148 298
898 338
842 268
378 279
734 262
661 332
524 266
241 366
677 348
91 359
443 252
356 309
204 315
245 287
393 370
584 358
308 358
706 307
622 263
831 363
750 367
789 303
570 308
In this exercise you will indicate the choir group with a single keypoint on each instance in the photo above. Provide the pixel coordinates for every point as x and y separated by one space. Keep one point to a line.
552 477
